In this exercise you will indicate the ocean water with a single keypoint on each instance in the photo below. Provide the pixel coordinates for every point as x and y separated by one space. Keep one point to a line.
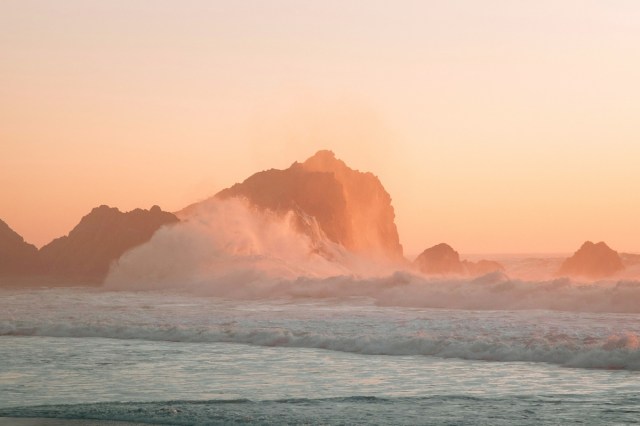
169 357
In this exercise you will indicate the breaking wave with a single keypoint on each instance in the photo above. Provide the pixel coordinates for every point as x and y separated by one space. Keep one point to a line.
228 249
584 340
232 244
611 352
228 263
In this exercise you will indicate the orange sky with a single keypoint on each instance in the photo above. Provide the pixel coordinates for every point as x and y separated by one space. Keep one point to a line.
496 126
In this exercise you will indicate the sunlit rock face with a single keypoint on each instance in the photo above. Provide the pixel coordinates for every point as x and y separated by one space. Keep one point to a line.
100 238
16 256
592 261
442 259
351 208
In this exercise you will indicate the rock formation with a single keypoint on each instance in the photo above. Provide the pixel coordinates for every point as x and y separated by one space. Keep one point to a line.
442 259
100 238
592 261
16 256
439 259
350 207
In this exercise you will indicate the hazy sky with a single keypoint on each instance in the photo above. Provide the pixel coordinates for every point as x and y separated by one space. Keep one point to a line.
496 126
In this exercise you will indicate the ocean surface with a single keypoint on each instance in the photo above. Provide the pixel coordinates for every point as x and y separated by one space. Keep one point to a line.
165 357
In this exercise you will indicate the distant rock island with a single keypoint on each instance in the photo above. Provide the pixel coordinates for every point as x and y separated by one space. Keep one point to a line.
592 261
85 255
351 208
442 259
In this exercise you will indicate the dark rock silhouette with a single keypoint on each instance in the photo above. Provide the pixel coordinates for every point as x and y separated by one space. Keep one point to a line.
352 208
592 261
100 238
17 257
442 259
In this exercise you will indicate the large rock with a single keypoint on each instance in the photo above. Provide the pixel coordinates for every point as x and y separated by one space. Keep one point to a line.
439 259
592 261
100 238
16 256
442 259
350 207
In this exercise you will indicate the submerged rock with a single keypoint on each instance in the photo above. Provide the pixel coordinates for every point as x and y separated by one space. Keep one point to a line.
482 267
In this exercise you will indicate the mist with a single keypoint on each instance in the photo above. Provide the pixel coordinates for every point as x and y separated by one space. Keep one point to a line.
227 248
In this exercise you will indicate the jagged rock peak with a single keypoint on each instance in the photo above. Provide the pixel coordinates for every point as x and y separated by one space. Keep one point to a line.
352 208
324 159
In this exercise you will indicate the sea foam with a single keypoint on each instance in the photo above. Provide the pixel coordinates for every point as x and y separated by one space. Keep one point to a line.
573 339
228 249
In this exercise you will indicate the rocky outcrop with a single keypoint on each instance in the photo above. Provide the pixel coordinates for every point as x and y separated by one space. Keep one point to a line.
350 207
439 259
592 261
100 238
16 256
442 259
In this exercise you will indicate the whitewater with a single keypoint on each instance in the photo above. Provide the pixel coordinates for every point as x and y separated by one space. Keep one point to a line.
175 358
235 317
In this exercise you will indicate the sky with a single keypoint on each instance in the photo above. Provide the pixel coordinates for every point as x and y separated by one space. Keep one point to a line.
498 126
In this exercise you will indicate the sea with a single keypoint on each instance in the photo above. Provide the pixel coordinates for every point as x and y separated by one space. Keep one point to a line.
564 353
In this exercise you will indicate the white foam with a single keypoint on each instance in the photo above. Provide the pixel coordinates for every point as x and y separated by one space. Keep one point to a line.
575 339
226 248
227 243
